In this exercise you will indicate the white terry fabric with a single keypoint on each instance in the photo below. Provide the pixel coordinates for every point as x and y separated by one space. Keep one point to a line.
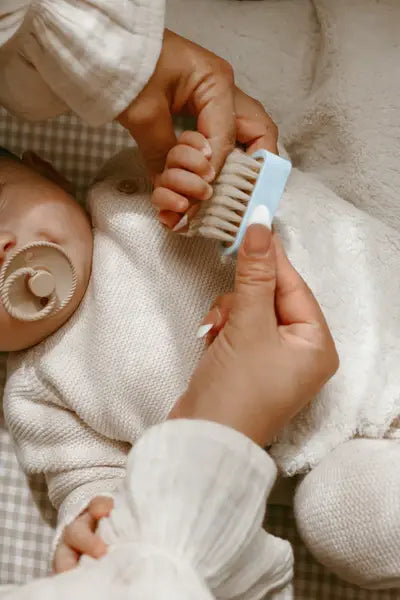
187 523
339 118
78 401
350 261
346 133
347 511
93 57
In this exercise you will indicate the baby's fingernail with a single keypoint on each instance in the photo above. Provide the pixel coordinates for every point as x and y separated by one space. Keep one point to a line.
210 175
209 192
203 330
206 150
181 206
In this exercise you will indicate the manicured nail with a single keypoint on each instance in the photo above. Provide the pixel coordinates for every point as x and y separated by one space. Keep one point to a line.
260 216
206 150
257 240
182 223
203 330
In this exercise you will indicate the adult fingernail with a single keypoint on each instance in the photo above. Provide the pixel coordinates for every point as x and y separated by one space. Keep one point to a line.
163 220
260 216
203 330
258 240
214 319
181 224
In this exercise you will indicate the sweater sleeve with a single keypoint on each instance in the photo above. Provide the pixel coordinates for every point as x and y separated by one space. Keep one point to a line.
94 55
78 463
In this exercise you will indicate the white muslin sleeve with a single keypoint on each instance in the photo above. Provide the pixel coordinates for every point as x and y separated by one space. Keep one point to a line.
191 509
90 56
77 462
187 523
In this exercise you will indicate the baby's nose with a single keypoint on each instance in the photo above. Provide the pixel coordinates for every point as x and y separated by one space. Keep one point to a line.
7 241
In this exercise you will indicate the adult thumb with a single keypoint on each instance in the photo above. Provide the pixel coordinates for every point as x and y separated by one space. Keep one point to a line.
255 282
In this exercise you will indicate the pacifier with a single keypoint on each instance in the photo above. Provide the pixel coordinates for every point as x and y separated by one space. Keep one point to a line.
37 281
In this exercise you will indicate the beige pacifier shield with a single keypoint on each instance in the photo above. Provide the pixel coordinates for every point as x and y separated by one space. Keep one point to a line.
37 282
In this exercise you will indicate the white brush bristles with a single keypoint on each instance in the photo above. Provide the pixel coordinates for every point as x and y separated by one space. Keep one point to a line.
220 217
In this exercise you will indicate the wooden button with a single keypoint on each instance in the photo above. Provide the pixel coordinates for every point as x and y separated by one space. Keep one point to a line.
127 186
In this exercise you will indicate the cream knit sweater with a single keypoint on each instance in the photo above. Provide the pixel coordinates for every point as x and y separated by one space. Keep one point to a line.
79 400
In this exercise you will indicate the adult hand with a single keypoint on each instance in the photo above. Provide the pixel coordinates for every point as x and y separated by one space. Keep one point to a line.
190 79
272 350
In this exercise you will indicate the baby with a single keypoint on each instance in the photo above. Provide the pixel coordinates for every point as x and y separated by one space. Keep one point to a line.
77 401
115 359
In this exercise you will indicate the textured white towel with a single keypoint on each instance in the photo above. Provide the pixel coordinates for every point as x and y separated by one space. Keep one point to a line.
338 107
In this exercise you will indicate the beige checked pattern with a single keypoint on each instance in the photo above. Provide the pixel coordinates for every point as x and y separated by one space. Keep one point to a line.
26 518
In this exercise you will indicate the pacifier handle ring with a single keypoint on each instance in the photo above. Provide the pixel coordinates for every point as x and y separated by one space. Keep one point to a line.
14 312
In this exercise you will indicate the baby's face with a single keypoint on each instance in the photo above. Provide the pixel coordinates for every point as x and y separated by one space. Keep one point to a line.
34 209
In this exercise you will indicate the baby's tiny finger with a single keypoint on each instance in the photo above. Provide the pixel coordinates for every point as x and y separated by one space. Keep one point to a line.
79 536
191 159
65 559
100 507
196 140
186 183
166 199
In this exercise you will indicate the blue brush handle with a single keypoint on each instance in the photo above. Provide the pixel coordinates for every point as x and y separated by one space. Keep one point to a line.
267 191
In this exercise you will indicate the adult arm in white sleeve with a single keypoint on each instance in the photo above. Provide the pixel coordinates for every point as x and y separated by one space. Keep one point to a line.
78 462
90 56
187 523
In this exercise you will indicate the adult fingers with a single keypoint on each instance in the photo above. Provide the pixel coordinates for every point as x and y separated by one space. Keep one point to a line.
149 121
254 302
65 559
169 218
254 127
213 104
217 316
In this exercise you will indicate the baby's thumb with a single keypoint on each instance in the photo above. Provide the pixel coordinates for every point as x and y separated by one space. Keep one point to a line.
256 274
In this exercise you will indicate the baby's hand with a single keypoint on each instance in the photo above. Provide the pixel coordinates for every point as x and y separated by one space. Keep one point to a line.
80 537
185 179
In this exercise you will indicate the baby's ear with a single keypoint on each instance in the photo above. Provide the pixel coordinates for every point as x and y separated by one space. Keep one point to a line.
46 169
